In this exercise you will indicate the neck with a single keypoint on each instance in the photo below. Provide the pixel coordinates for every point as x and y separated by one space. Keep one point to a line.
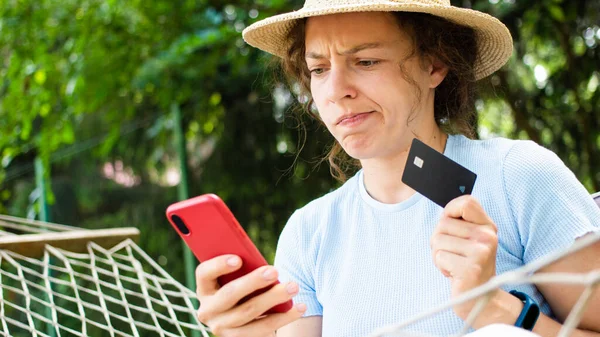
383 176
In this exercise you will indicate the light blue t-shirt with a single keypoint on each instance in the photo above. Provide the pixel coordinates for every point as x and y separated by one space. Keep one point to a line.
362 264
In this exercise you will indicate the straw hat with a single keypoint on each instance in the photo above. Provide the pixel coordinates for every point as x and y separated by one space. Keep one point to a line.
494 40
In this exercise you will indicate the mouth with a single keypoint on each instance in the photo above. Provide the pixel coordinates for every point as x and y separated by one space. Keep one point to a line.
352 117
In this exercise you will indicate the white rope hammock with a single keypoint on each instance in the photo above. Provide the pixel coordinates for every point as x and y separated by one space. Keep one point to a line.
116 292
119 292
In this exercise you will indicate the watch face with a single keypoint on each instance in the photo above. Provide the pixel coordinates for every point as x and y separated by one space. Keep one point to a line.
531 316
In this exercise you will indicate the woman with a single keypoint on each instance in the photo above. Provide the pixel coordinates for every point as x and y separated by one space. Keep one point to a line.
374 252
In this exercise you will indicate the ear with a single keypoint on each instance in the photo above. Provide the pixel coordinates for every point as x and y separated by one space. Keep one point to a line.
437 72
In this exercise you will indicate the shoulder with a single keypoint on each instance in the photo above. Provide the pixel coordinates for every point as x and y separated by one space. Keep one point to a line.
520 172
509 155
525 159
497 147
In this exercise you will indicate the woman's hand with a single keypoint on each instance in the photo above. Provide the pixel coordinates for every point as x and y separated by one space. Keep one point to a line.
464 246
219 308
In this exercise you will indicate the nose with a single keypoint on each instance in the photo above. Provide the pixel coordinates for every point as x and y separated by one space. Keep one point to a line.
340 85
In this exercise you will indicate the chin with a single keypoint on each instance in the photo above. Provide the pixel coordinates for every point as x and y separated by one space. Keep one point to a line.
362 147
378 150
360 153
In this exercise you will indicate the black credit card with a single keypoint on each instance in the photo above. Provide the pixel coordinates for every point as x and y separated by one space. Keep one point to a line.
435 176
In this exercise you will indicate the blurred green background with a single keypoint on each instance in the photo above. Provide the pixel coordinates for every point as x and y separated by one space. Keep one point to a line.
90 86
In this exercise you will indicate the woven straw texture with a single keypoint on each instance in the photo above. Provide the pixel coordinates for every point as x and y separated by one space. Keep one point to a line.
494 39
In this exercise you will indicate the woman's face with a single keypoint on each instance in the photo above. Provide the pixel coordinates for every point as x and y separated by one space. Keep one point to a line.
359 88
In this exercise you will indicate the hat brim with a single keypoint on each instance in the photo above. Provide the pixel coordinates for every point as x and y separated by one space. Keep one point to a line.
493 38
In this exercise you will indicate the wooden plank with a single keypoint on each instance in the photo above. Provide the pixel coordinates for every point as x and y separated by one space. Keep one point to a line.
39 224
32 245
23 228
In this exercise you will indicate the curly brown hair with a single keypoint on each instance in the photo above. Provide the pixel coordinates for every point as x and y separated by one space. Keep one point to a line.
432 36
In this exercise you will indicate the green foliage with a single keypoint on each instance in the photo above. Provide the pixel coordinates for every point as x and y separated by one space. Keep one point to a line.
90 84
550 87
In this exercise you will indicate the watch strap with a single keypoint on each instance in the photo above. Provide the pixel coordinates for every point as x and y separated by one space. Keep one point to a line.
530 313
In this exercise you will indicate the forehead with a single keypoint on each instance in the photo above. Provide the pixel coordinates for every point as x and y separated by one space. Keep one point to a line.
346 29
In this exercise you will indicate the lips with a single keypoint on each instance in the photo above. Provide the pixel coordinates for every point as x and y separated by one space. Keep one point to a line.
350 116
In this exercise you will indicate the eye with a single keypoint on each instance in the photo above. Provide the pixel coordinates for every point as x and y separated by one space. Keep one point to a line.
317 71
368 63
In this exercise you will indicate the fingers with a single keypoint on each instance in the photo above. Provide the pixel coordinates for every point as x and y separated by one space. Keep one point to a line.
276 321
460 228
464 275
257 306
231 293
464 246
208 272
220 307
465 240
474 252
467 208
450 244
264 326
453 265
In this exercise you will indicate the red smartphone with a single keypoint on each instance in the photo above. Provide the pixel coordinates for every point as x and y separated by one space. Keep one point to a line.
209 228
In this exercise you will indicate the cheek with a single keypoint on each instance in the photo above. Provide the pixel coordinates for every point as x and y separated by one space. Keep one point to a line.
323 108
326 118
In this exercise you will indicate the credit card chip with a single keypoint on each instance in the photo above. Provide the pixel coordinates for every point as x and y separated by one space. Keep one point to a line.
418 162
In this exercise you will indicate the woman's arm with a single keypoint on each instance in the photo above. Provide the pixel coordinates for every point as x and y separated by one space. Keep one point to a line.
464 248
562 297
505 308
304 327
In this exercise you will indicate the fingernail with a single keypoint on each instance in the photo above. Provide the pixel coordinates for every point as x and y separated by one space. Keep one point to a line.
269 274
301 307
233 261
291 288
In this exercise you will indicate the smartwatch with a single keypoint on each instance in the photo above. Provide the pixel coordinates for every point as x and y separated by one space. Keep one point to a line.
530 312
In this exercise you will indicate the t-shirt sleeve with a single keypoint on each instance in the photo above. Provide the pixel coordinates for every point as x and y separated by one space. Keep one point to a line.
295 260
549 205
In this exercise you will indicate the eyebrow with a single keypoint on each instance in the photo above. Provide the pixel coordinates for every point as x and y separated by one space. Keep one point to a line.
354 50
